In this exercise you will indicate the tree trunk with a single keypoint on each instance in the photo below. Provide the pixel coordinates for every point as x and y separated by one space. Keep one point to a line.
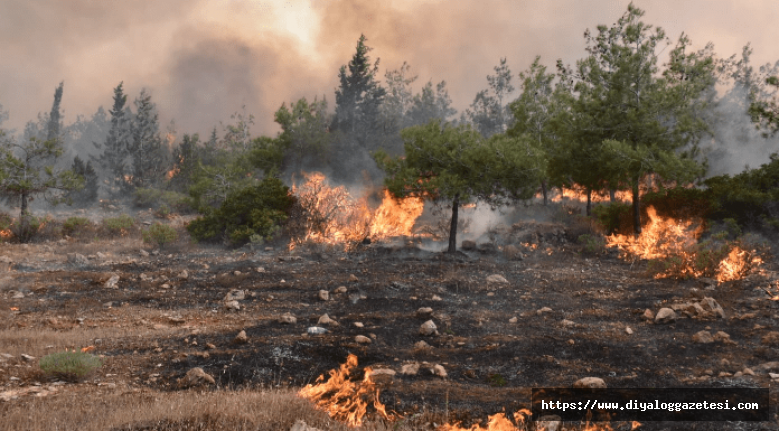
589 202
611 195
544 191
453 226
24 219
636 210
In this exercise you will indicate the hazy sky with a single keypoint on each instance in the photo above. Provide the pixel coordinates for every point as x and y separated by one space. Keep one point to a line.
202 60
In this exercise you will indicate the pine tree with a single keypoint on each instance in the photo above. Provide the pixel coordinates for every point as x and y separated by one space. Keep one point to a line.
115 149
489 112
55 124
147 153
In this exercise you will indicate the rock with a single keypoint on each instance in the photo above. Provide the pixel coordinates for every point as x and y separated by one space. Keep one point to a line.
438 370
436 298
648 314
424 312
316 330
665 315
710 304
362 339
748 371
144 253
235 295
723 337
770 339
183 275
513 319
768 366
288 318
511 252
77 259
468 245
428 328
210 346
27 358
17 295
177 320
590 383
543 310
353 277
260 269
165 286
232 305
5 259
100 255
411 369
548 423
497 278
628 330
421 345
112 282
300 425
382 376
358 325
324 295
340 289
703 337
241 338
326 320
196 377
236 272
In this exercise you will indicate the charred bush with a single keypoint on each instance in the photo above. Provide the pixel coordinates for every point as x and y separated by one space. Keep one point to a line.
246 215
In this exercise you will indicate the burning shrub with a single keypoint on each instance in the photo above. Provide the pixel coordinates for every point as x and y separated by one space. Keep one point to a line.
257 210
160 233
118 225
70 366
5 227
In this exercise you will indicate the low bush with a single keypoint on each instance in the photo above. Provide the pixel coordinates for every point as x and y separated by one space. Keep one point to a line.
592 244
246 214
157 199
119 225
73 224
160 233
26 227
70 366
614 217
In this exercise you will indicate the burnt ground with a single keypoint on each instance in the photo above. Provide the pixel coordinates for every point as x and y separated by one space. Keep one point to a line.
151 334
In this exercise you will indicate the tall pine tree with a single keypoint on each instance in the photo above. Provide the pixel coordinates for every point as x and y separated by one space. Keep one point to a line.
113 158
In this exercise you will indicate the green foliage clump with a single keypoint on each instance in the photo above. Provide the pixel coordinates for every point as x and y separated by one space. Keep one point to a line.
160 233
680 203
70 366
118 225
257 210
156 198
26 227
73 223
593 244
613 217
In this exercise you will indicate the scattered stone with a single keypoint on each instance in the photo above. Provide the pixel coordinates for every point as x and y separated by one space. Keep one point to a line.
100 255
196 377
628 330
590 383
411 369
184 275
648 314
438 370
17 295
748 371
144 253
77 259
710 304
774 375
549 423
770 339
260 269
210 346
112 282
428 328
324 295
362 339
665 315
353 277
316 330
300 425
236 272
165 286
340 289
177 320
326 320
288 318
27 358
543 310
723 337
436 298
703 337
513 319
571 341
468 245
497 278
768 366
232 305
424 312
235 295
421 345
382 376
241 338
358 325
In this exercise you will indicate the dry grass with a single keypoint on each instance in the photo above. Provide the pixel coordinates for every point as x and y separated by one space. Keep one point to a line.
151 410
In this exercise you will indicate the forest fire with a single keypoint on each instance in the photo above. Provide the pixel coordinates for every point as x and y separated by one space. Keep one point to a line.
676 243
344 399
334 216
6 233
496 422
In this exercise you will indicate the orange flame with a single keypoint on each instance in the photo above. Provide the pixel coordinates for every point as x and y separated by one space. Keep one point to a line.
344 399
6 233
738 263
335 217
496 422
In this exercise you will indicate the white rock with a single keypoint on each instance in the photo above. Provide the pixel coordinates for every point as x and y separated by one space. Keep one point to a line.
232 305
358 324
711 304
648 314
411 369
665 315
144 253
241 338
196 377
703 337
436 298
590 382
497 278
513 320
340 289
316 330
235 295
17 295
424 311
326 320
628 330
362 339
260 269
543 310
27 358
288 318
421 345
428 328
324 295
438 370
184 275
112 282
77 259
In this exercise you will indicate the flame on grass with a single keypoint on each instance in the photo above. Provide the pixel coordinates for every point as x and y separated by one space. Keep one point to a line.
499 422
344 399
676 241
334 216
